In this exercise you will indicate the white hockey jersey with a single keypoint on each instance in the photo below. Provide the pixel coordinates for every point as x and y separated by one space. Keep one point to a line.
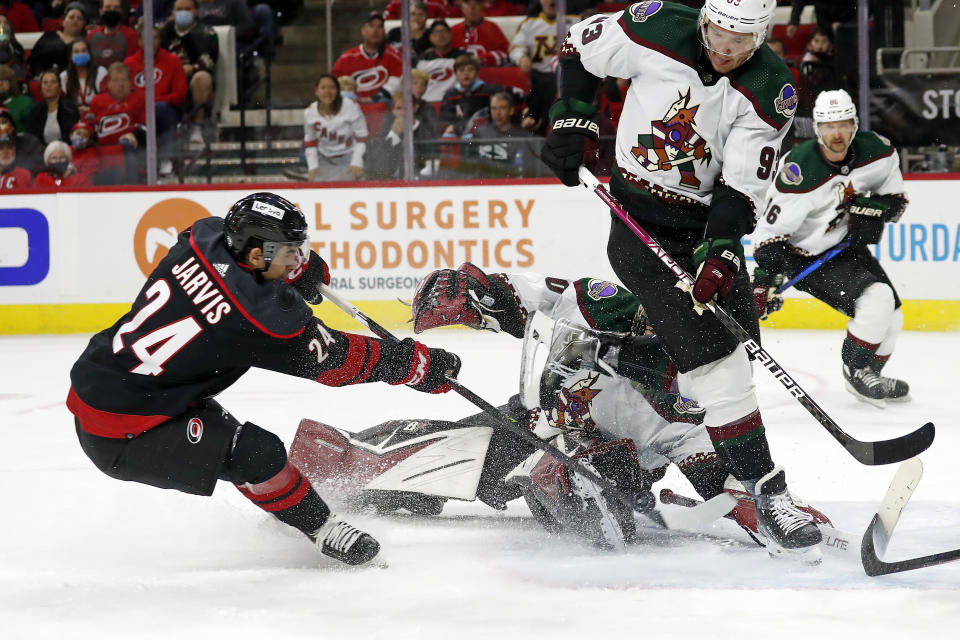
536 37
334 136
802 202
613 403
684 126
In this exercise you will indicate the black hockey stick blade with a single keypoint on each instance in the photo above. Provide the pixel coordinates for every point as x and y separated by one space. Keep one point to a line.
884 522
897 449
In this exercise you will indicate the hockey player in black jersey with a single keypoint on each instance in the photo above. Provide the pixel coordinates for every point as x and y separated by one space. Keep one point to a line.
696 149
230 295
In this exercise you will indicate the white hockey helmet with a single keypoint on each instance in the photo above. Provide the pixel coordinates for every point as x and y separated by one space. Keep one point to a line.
746 16
834 106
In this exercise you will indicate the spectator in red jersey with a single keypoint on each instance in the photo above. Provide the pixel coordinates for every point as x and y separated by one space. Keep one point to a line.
53 47
375 66
482 38
19 15
119 115
11 176
58 170
434 8
419 38
81 80
84 150
169 81
466 97
52 117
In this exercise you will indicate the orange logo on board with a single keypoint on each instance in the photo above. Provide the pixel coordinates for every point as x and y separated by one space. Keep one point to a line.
158 229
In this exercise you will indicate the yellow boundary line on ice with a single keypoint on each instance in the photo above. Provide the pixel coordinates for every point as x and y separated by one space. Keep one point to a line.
919 315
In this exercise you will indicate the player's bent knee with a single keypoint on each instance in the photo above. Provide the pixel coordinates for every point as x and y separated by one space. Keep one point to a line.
256 456
877 299
724 388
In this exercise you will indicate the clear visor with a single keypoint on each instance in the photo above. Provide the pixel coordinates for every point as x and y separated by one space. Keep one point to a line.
286 254
844 127
728 43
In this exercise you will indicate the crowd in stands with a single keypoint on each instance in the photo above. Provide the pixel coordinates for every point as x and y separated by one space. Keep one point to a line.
481 97
77 96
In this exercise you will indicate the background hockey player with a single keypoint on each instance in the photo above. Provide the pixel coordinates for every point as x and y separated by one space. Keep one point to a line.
846 183
720 103
230 295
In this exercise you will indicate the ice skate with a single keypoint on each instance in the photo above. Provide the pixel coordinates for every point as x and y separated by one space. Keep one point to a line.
782 526
894 390
344 542
865 385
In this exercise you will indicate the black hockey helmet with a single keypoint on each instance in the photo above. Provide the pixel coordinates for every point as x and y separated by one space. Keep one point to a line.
267 221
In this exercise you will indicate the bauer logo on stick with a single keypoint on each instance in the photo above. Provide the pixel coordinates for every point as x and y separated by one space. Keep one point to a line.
194 430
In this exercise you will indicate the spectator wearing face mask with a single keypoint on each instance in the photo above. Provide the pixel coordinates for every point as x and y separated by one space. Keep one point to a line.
11 175
53 47
52 117
11 51
81 80
58 170
112 41
84 150
196 45
16 103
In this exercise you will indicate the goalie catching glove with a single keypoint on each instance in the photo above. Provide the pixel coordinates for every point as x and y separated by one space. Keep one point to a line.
573 139
765 295
308 276
470 297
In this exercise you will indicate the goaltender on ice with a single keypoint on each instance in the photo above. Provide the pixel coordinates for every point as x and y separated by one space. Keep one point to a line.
230 295
696 149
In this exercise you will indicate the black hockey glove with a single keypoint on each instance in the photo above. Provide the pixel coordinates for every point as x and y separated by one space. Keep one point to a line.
868 213
470 297
425 369
573 139
717 260
308 277
765 295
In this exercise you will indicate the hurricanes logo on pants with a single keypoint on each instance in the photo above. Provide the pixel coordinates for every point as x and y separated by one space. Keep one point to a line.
674 143
194 430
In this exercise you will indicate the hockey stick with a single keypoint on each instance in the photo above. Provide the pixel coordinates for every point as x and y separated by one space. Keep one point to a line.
813 266
869 452
833 539
881 528
711 510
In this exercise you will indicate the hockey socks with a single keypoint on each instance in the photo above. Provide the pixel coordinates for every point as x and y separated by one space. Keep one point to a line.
742 445
289 496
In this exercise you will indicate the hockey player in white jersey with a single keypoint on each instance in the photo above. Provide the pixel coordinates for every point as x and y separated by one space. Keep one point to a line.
846 183
696 148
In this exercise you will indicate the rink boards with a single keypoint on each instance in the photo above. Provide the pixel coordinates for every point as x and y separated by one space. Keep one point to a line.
73 261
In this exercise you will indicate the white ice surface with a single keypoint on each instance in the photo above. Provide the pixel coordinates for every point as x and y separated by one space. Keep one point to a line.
84 556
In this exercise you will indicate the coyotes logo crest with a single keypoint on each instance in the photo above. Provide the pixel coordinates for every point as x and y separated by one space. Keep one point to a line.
573 405
674 143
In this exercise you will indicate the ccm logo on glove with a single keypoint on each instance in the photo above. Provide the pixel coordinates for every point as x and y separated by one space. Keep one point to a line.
577 123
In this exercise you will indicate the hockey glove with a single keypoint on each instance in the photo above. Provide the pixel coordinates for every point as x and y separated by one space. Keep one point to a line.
470 297
765 295
308 276
717 261
426 369
573 139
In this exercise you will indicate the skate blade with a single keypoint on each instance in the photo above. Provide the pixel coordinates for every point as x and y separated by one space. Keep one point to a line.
905 398
810 556
877 402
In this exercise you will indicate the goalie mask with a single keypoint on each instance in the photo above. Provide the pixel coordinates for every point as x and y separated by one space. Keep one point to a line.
742 29
835 118
266 221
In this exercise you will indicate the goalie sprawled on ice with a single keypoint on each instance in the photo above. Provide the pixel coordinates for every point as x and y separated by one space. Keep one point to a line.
594 382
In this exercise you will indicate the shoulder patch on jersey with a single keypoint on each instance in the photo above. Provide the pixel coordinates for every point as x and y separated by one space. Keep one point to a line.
643 11
786 102
791 173
268 209
599 289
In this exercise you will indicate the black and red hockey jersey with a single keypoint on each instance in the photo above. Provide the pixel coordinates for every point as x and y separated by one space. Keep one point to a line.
199 323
